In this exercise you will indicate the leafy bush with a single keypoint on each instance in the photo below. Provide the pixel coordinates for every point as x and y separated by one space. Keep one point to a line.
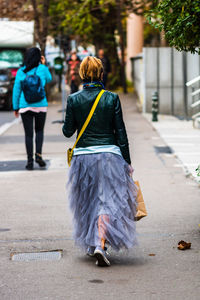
198 171
180 21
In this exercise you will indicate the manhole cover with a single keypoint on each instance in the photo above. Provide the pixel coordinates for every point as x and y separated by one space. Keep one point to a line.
37 256
163 149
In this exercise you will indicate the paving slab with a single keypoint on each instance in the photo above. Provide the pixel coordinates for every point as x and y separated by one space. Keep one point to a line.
182 138
34 216
6 117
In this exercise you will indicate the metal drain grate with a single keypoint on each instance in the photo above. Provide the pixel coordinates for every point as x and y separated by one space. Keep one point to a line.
37 256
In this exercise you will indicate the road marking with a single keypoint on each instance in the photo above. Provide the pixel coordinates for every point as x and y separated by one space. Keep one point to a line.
6 126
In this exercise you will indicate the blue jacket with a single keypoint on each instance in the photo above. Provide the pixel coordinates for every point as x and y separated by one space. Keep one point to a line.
18 98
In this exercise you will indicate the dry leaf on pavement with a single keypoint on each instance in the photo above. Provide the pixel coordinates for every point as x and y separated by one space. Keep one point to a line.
182 245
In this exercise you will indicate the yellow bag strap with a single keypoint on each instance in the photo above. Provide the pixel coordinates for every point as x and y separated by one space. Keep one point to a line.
89 117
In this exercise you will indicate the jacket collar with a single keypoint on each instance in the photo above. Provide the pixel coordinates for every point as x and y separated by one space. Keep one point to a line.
93 84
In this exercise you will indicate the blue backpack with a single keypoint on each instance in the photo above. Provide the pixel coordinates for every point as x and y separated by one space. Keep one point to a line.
33 89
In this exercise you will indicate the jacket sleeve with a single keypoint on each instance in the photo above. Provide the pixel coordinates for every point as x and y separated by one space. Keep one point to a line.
69 126
120 132
16 91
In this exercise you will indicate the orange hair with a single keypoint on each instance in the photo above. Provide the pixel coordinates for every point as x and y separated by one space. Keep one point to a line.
91 68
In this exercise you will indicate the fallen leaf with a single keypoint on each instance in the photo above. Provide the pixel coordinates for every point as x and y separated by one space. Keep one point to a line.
152 254
182 245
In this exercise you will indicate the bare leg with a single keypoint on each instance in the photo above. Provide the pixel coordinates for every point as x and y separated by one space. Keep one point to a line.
103 219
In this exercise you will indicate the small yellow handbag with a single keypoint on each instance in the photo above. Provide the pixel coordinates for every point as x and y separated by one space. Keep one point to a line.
71 150
141 208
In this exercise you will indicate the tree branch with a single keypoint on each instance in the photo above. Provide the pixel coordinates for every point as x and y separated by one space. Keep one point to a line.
37 21
45 15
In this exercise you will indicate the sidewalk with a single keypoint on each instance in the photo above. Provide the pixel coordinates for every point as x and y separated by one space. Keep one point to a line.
35 217
183 140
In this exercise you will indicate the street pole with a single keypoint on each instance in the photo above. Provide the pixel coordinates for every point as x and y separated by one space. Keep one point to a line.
184 59
172 80
63 99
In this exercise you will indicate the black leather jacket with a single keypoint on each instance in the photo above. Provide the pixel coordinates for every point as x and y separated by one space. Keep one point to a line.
106 126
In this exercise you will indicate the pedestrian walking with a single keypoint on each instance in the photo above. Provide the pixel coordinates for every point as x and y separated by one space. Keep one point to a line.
72 75
106 65
29 100
102 193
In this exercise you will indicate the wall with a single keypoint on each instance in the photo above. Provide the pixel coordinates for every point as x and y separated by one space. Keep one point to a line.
165 70
134 39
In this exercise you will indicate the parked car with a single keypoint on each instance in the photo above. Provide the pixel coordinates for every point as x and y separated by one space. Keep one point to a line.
6 86
12 59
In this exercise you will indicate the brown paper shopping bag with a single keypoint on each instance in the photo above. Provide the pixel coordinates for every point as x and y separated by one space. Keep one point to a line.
141 208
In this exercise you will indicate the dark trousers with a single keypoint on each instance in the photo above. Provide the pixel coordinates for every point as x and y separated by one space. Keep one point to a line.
30 119
74 87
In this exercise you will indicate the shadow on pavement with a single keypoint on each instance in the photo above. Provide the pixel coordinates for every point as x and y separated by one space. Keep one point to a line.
19 165
117 260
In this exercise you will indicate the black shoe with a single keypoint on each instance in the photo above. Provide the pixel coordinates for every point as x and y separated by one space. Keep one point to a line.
29 166
39 160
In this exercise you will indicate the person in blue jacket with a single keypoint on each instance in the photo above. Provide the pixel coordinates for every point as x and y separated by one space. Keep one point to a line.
33 114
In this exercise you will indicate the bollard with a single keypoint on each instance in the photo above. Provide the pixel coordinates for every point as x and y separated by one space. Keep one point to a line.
155 107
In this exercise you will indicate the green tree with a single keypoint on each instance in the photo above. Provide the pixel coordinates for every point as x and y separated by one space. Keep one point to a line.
16 10
41 16
36 10
93 22
198 171
98 22
180 21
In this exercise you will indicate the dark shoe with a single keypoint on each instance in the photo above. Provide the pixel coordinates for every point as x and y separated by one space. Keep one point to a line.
100 255
39 160
29 166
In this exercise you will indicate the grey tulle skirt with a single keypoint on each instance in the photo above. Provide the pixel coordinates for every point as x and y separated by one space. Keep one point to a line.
102 199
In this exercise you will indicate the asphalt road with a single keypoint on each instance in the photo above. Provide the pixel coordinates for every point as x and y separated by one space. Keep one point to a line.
34 217
6 116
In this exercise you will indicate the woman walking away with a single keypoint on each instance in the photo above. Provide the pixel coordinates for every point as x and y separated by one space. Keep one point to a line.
29 100
102 192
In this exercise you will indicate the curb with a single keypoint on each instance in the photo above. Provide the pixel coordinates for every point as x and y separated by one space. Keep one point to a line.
8 125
